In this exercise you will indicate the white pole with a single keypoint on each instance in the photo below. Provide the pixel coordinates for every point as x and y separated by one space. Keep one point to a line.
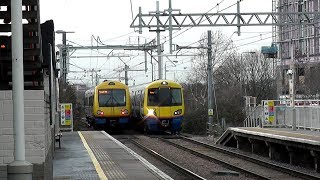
17 80
19 168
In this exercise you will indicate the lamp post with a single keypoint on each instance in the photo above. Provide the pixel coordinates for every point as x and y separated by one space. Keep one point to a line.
165 67
64 55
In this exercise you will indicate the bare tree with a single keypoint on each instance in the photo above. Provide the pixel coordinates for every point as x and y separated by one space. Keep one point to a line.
235 75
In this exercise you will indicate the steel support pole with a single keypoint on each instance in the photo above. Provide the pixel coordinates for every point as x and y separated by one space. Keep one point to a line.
19 168
170 26
159 44
52 88
238 18
140 20
126 79
165 70
145 59
64 59
97 78
92 78
210 80
292 89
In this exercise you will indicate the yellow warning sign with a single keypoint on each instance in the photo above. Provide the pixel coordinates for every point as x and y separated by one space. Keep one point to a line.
66 114
269 111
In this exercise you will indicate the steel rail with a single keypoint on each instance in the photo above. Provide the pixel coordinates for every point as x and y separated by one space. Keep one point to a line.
221 161
255 160
175 166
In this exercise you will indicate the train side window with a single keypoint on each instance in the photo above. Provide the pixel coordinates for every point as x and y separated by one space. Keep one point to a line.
153 97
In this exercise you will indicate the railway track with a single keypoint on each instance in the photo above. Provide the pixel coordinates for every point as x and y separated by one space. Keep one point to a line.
237 161
188 174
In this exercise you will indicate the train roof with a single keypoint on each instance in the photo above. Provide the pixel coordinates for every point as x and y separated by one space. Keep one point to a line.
111 85
156 84
164 83
106 84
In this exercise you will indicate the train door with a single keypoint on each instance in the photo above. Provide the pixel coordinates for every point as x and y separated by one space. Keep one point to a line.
164 106
118 105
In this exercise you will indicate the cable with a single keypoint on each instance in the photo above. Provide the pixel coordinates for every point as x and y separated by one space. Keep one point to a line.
202 20
117 37
217 5
227 49
91 49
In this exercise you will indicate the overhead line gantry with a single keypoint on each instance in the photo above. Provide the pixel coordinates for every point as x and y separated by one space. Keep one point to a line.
161 21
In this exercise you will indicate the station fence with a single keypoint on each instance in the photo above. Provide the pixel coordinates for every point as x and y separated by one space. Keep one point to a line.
279 113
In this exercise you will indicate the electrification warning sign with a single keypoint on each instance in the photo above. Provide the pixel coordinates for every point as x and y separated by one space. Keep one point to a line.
269 111
210 112
66 114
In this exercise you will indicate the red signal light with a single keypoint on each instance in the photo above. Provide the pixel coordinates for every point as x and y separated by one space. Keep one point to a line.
2 46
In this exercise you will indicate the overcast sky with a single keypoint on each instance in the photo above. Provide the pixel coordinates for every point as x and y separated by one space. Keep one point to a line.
110 20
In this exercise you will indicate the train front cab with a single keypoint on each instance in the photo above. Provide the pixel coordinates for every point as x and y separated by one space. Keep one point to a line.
111 106
164 107
152 123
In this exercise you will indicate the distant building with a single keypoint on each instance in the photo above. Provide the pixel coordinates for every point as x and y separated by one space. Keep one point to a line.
306 48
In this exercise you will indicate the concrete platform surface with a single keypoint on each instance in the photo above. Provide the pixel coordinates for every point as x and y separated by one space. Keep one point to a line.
300 136
97 155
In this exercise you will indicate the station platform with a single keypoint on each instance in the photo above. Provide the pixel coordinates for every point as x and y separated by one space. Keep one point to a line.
97 155
300 147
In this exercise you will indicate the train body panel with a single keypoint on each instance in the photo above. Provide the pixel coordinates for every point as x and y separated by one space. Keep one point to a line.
109 105
158 106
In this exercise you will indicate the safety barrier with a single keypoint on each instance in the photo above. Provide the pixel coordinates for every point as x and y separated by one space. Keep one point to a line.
279 113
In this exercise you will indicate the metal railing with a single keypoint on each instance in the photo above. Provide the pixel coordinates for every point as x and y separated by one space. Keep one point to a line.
254 117
307 115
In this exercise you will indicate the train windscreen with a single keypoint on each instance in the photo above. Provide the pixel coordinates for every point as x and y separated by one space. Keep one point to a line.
164 97
112 97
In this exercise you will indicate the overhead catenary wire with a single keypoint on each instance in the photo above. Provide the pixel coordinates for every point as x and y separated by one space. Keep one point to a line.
247 39
245 44
217 5
202 20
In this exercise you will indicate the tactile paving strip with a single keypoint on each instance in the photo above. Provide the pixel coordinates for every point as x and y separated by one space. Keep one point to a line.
111 169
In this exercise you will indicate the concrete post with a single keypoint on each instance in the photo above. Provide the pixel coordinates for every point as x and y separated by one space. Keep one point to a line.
19 168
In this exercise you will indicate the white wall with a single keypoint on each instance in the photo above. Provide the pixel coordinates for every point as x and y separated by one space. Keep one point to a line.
37 127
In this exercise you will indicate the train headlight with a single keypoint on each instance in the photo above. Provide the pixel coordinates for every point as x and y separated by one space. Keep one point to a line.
152 112
178 112
99 112
124 112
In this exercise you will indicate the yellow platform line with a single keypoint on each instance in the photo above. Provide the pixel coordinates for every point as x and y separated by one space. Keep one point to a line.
94 160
